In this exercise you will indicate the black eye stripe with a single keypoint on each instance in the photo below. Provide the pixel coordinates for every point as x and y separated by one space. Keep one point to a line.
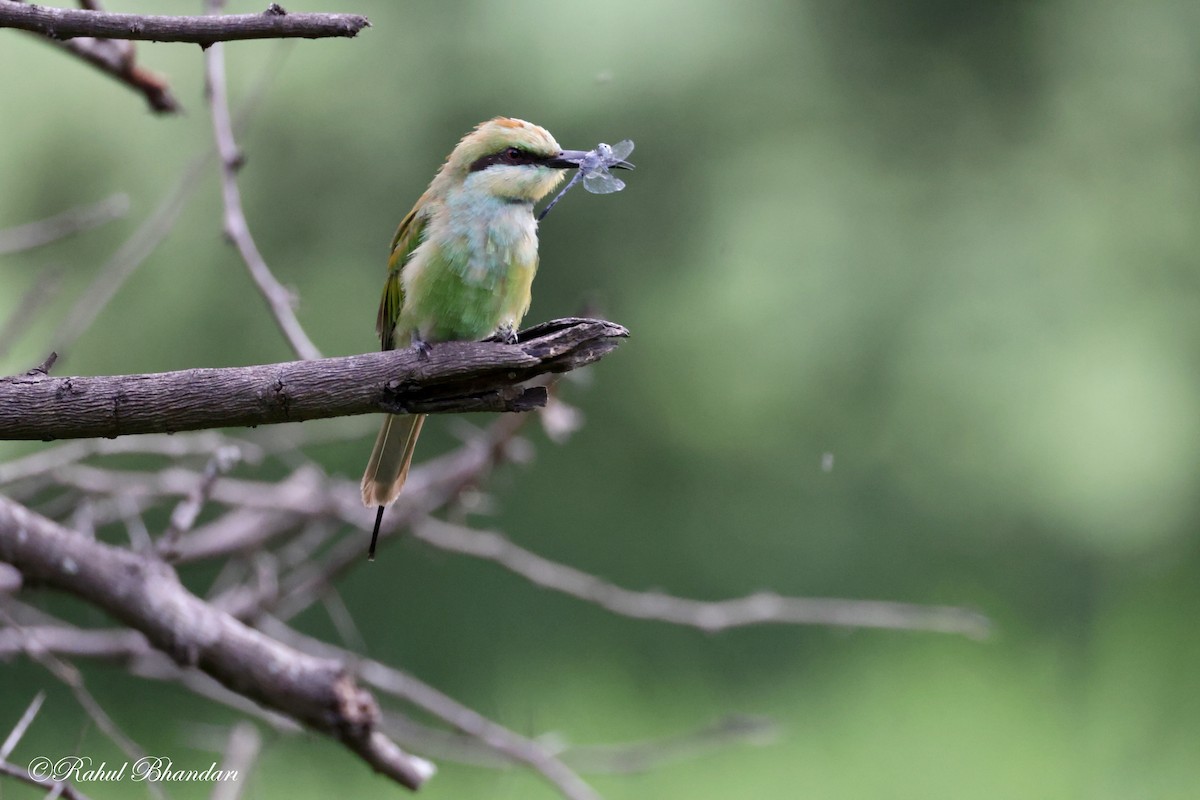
509 155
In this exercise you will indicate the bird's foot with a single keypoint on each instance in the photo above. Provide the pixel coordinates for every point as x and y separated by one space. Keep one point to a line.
421 346
505 334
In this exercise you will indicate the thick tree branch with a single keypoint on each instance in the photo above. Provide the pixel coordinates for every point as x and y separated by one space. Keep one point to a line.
274 23
452 377
146 595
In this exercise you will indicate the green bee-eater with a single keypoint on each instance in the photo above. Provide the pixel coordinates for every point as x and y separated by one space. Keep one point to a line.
462 264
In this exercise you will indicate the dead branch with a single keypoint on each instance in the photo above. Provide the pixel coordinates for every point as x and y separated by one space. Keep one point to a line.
18 731
116 59
146 595
620 758
410 689
274 23
451 377
130 255
240 755
130 649
62 225
54 788
280 302
761 608
47 285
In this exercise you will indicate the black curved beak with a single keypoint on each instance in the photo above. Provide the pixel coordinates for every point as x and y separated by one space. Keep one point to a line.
571 159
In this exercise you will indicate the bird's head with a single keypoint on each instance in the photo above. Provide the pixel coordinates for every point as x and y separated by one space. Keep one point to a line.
510 159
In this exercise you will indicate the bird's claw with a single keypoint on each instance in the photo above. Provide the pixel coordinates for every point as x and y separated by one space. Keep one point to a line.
421 346
505 334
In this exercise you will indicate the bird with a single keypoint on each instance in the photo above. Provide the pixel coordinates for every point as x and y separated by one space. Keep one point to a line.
462 265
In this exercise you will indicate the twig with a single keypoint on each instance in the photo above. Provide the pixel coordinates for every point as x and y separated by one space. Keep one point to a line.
73 680
62 23
43 290
420 694
147 595
18 731
618 758
135 526
289 496
60 226
116 59
452 377
711 616
239 531
240 754
130 648
130 254
53 787
43 369
205 443
630 757
279 299
431 486
186 511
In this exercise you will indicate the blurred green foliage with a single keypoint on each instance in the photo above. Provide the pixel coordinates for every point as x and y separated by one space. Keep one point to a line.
952 244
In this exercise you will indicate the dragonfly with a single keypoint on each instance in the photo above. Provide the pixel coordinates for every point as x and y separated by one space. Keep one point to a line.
593 171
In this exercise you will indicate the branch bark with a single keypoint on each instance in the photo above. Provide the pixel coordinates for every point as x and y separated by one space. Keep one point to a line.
450 377
274 23
146 595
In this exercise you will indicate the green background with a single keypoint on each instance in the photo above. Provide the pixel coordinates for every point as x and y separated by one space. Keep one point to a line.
951 243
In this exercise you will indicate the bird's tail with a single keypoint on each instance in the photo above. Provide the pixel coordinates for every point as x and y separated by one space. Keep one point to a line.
388 467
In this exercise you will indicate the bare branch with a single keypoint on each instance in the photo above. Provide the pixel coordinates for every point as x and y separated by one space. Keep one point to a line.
18 731
116 59
130 649
60 226
43 290
146 238
239 531
756 609
206 443
183 518
130 254
240 754
452 377
275 23
431 486
53 787
73 680
279 299
617 758
147 595
630 757
43 369
420 694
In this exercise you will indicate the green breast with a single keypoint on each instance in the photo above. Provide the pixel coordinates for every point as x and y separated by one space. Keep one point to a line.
468 280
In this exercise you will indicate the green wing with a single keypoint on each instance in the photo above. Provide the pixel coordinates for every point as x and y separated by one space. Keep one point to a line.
410 234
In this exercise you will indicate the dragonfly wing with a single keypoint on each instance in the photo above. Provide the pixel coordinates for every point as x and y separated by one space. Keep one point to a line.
621 150
603 182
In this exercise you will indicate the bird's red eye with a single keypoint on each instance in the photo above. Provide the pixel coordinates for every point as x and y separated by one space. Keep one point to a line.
512 154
